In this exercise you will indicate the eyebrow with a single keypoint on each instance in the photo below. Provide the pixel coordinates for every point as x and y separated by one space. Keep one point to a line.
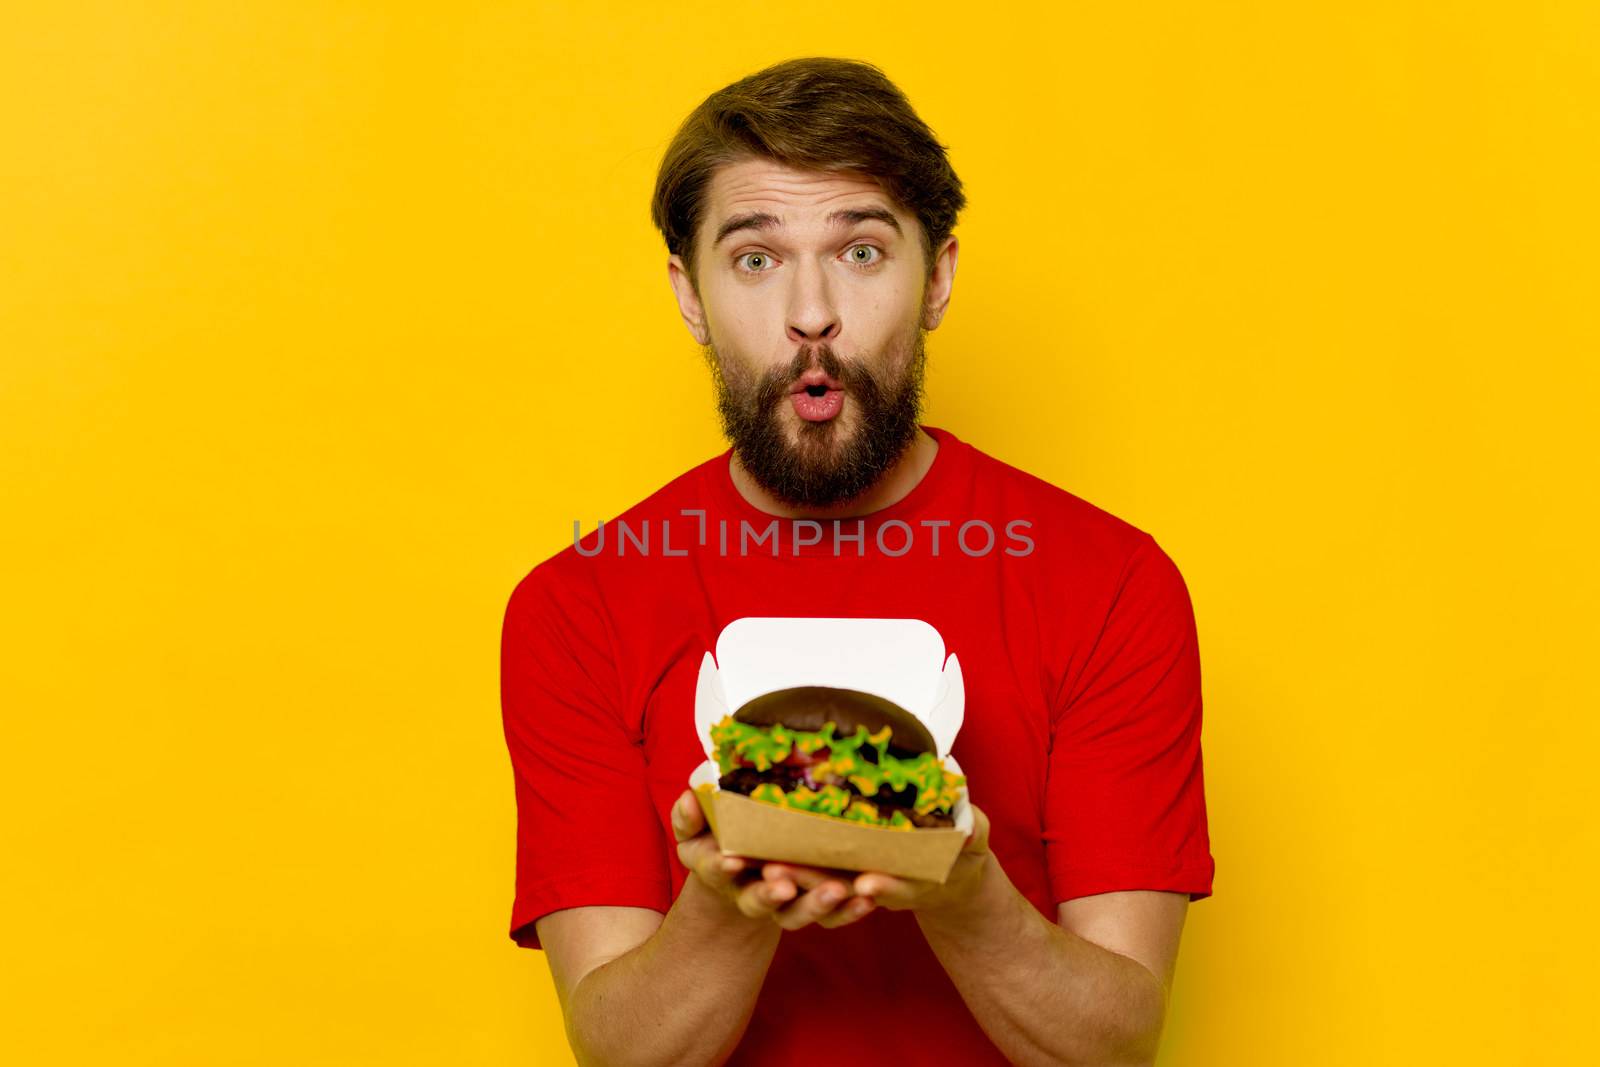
764 220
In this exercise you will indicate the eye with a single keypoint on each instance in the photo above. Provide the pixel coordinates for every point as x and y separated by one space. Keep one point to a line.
760 258
873 255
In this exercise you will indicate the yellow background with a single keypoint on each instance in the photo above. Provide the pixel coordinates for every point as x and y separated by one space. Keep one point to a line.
321 322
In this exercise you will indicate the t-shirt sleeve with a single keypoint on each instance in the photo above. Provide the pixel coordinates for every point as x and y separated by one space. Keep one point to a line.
587 833
1125 796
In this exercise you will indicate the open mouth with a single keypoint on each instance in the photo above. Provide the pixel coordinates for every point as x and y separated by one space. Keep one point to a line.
816 383
817 401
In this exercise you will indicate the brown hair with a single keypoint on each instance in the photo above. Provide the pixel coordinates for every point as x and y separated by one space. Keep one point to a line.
811 114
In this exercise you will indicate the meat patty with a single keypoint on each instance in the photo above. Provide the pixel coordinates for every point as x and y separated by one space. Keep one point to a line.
744 780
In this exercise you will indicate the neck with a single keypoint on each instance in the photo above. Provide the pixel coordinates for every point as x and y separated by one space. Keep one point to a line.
897 481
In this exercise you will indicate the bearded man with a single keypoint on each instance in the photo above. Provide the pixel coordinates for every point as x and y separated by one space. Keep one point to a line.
808 216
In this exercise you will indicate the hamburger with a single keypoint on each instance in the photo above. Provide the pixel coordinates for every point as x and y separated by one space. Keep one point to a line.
840 753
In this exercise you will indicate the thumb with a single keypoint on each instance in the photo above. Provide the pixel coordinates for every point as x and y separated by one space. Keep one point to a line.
687 818
978 839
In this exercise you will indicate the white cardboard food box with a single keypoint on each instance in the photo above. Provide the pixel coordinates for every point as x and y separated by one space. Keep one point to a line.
902 660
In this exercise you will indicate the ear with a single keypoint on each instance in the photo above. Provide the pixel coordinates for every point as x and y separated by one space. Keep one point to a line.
689 306
940 282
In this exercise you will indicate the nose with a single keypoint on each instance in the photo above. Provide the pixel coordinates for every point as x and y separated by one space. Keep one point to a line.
812 315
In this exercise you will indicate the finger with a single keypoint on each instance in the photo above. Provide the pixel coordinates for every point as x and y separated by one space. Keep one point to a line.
851 910
887 890
687 818
813 905
702 856
807 877
762 898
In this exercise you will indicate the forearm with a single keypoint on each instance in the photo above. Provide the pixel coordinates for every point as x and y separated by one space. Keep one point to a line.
1041 993
683 996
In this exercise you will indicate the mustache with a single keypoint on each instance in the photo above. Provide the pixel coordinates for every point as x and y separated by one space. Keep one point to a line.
852 374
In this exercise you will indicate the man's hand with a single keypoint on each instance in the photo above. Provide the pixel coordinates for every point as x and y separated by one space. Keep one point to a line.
791 895
899 894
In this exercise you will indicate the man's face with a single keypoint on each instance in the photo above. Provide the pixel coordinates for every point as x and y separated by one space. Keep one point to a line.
811 308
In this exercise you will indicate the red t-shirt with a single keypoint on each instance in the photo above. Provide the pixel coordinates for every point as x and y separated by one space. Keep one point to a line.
1081 737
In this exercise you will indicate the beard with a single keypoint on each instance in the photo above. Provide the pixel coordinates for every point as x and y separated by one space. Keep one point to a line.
826 464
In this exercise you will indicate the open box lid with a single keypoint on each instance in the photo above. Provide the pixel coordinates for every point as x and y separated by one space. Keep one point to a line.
902 660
